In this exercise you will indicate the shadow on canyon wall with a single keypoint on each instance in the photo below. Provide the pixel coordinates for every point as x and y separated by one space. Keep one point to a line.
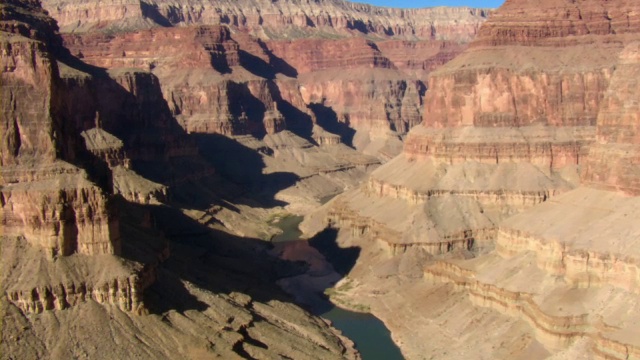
328 120
182 249
244 166
328 263
158 147
342 259
151 12
297 121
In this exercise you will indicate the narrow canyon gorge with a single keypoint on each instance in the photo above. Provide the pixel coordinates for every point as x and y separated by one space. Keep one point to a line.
471 177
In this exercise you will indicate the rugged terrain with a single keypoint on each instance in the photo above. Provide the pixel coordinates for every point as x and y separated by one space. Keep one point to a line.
109 248
147 145
259 67
507 227
146 149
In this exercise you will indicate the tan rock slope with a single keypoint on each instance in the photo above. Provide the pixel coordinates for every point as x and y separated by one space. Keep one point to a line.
270 19
99 256
238 68
516 194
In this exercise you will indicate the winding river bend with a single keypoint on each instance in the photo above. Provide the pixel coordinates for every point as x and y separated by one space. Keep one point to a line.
371 336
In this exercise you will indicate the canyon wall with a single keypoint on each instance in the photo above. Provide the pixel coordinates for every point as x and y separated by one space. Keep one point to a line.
512 126
90 159
264 67
614 160
42 192
269 19
517 187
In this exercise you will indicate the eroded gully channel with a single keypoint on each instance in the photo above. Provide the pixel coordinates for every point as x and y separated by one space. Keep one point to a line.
371 336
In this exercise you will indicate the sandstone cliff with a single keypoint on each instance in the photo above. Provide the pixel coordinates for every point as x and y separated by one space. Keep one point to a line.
512 128
262 67
268 19
516 189
42 193
96 259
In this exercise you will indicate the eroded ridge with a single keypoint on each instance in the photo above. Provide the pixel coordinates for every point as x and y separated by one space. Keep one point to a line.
526 160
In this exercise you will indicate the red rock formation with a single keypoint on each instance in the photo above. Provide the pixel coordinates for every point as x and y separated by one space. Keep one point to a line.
542 102
273 19
558 23
419 57
311 55
193 47
373 97
496 104
495 86
55 182
614 159
214 80
27 85
191 64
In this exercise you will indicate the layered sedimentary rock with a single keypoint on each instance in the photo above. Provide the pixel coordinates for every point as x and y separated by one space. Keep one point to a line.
559 24
614 159
503 125
87 269
272 19
44 197
39 286
195 67
64 215
558 321
260 68
520 182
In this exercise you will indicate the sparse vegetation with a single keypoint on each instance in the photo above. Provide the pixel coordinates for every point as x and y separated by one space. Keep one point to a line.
277 216
338 296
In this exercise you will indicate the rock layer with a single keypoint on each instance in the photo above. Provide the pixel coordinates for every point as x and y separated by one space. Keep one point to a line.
528 152
614 159
496 113
272 19
45 198
263 67
87 270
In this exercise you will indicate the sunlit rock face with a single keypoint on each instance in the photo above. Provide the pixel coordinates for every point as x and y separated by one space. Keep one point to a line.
511 122
515 192
43 196
260 68
614 158
268 19
84 161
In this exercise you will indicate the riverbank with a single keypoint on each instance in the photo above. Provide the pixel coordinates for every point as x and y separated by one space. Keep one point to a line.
317 287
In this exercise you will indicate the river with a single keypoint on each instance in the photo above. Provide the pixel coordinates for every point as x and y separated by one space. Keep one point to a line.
371 336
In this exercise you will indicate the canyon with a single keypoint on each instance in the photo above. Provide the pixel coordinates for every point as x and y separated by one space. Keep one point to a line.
507 226
478 169
145 147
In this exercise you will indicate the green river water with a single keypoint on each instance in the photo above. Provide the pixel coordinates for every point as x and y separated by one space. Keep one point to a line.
371 336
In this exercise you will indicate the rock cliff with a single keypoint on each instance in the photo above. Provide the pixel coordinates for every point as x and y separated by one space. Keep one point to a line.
614 158
262 67
516 189
512 127
269 19
98 260
43 194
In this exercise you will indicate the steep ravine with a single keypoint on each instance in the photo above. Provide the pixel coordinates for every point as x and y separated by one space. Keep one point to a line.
370 335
